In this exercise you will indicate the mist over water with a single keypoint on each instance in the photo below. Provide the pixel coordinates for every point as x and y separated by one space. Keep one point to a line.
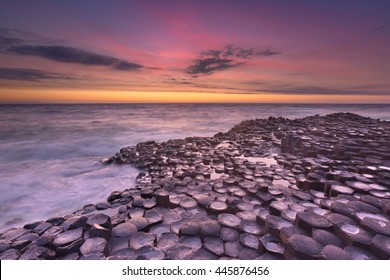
50 154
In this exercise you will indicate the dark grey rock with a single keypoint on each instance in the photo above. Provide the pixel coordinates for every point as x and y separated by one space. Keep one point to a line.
361 206
380 245
149 203
42 227
53 231
28 236
201 254
13 234
217 207
126 229
269 257
171 217
99 219
376 225
32 225
188 202
124 254
136 212
68 237
251 227
342 208
189 228
99 231
70 257
359 254
192 242
55 221
203 199
386 208
214 245
248 254
88 208
377 202
178 252
287 232
210 228
331 252
95 245
274 224
4 245
174 200
10 254
36 252
153 216
115 244
229 234
336 218
229 220
167 240
19 245
302 247
335 190
162 198
353 235
43 241
232 249
326 238
310 220
277 206
250 240
271 243
69 248
159 229
247 215
103 205
149 253
289 215
140 222
93 256
140 239
74 222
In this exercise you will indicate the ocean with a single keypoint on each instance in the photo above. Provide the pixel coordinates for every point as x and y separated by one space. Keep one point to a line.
50 155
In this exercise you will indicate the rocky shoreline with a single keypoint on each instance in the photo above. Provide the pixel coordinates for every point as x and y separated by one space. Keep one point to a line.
311 188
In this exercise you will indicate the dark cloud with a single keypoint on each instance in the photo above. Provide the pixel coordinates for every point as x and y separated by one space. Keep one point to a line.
23 74
232 52
198 85
7 39
127 66
11 37
309 90
73 55
210 65
230 56
6 42
256 87
380 29
24 43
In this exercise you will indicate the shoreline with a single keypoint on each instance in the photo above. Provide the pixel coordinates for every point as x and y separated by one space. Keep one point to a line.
310 188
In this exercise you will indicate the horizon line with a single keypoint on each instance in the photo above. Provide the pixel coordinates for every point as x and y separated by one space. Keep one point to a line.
242 103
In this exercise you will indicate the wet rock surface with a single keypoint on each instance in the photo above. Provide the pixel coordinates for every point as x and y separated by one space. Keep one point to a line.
311 188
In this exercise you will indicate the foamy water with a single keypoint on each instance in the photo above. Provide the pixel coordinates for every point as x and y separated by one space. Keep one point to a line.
50 154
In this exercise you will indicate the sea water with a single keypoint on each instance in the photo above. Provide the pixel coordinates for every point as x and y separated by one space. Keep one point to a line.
50 155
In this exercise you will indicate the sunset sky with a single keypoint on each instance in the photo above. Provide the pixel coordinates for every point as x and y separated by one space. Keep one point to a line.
195 51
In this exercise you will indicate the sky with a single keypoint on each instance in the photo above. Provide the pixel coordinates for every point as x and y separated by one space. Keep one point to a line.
333 51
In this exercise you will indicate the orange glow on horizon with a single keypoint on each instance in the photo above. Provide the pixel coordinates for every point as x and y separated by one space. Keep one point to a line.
106 96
